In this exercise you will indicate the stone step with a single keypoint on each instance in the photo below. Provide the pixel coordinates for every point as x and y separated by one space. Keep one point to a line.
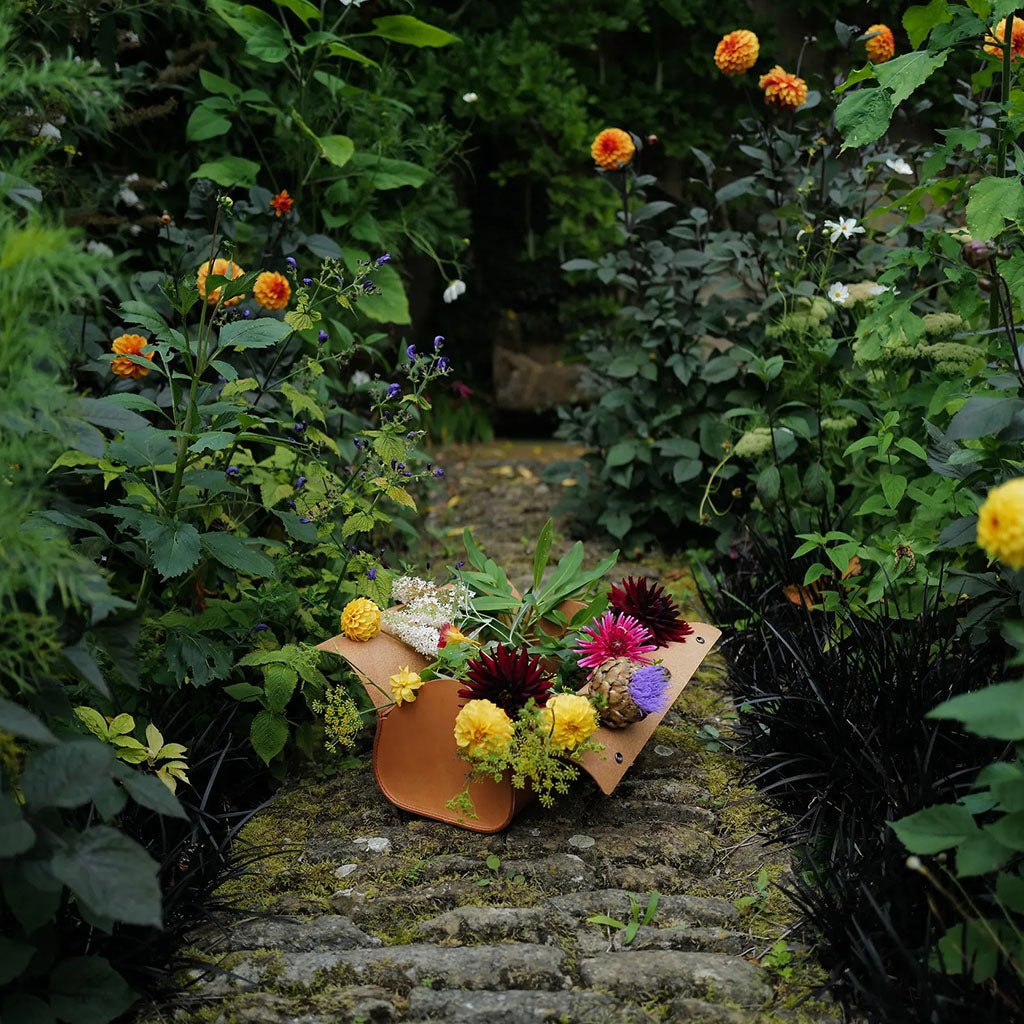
494 924
654 812
329 932
672 910
522 1007
363 1004
707 940
644 974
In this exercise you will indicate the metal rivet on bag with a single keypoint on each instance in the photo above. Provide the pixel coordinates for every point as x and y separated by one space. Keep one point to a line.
618 758
700 639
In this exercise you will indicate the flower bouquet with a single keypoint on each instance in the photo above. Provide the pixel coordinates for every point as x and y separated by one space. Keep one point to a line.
487 698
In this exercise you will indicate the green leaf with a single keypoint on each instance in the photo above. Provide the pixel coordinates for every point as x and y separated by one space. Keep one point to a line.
621 454
19 721
22 1008
907 445
903 74
768 485
996 711
358 522
303 8
269 734
980 854
112 874
67 775
14 958
150 792
341 50
958 533
175 545
386 172
104 413
206 123
991 201
221 86
260 333
305 532
268 44
935 828
16 835
337 149
233 552
919 21
279 684
229 171
894 487
403 28
1010 892
863 117
87 990
392 305
543 552
212 441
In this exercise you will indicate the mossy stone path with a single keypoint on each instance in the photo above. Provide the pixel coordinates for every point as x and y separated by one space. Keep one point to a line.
354 911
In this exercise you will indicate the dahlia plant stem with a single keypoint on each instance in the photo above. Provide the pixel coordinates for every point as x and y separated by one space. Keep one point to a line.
1004 130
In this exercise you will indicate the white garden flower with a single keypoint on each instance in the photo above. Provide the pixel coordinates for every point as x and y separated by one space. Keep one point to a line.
48 131
129 197
358 378
99 249
131 179
839 293
454 290
899 166
470 97
878 289
845 226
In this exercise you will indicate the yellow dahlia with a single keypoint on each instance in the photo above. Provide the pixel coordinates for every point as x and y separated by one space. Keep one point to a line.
360 619
881 47
129 344
272 290
221 268
613 148
404 685
483 729
1001 523
737 52
783 90
569 719
994 42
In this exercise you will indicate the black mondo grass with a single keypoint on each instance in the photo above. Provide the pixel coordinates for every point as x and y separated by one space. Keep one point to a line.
834 733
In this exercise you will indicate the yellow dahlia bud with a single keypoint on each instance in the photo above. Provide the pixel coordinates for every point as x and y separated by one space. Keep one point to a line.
737 52
129 344
568 718
613 148
1001 523
483 729
783 90
221 268
404 685
360 619
272 290
882 46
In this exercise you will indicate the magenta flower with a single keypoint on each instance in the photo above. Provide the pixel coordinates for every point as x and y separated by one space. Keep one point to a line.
616 636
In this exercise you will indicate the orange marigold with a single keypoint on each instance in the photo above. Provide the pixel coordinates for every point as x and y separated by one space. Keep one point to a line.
994 42
272 290
130 345
783 90
613 148
881 47
222 268
282 202
737 52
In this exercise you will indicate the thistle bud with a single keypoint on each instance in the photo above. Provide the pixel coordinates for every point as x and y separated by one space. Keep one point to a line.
976 254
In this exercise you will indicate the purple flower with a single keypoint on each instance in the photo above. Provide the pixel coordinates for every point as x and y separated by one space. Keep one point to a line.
291 505
459 565
438 473
260 627
372 574
443 364
358 444
437 341
246 313
647 687
307 280
291 263
394 463
367 285
232 471
299 426
322 337
381 260
300 483
394 391
411 352
305 519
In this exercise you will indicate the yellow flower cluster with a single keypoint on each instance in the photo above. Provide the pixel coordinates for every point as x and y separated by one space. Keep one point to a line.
360 619
404 685
341 719
482 729
1001 523
568 719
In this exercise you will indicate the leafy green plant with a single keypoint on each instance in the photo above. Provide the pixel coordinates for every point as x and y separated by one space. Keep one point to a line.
627 929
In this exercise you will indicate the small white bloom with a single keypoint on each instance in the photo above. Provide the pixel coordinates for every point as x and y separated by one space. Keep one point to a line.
129 197
49 131
131 179
454 290
132 38
839 294
358 378
99 249
845 226
470 97
135 229
877 289
899 166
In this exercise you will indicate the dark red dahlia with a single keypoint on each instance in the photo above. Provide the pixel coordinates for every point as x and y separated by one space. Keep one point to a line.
508 678
650 605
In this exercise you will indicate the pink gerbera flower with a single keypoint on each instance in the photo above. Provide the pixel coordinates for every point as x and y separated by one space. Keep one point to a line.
616 636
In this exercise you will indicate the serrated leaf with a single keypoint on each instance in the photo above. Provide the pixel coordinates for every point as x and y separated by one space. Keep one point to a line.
268 734
935 828
279 685
863 116
358 522
233 552
401 496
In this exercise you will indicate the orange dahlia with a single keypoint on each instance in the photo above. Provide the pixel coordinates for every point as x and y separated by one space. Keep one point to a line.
272 290
221 268
737 52
882 46
129 345
783 90
613 148
282 202
994 42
